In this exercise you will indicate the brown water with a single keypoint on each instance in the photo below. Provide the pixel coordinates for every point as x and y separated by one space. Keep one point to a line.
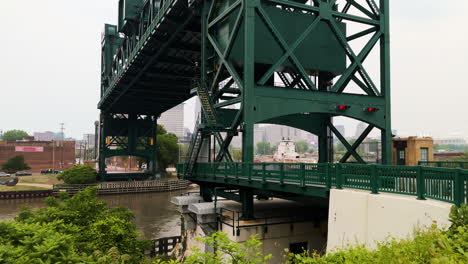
155 215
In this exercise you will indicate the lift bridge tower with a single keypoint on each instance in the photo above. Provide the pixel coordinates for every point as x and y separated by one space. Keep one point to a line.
297 63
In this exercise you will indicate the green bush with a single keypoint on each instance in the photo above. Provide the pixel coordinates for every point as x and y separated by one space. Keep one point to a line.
78 229
15 164
80 174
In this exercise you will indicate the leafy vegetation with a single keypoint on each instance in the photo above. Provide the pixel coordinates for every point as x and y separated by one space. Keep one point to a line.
78 229
168 149
265 148
236 154
80 174
14 135
302 146
15 164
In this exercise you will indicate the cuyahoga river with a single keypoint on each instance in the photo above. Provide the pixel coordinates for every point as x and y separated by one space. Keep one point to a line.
155 215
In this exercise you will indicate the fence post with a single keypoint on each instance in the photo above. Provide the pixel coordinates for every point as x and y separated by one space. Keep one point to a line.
328 175
458 183
282 173
302 175
263 173
250 170
339 176
420 183
374 180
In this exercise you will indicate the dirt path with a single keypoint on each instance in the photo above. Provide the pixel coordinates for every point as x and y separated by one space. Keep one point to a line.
48 186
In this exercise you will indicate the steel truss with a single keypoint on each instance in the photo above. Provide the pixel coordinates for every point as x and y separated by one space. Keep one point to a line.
127 135
306 98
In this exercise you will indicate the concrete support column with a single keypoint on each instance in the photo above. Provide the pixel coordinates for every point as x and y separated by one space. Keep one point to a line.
247 200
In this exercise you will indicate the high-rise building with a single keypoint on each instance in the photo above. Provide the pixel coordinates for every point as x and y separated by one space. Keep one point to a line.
341 129
173 120
360 129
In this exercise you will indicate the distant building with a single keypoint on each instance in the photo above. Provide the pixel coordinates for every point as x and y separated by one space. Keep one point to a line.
40 155
409 151
450 141
173 120
360 129
44 136
89 139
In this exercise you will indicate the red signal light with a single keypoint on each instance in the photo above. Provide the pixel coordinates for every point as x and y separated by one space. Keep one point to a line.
372 109
342 107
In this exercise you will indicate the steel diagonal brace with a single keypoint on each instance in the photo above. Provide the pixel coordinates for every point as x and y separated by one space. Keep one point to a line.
220 141
290 50
345 143
357 143
266 19
356 60
228 66
227 52
224 14
373 6
362 9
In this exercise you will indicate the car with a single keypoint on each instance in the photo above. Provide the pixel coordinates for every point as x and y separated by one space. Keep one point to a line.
50 171
4 174
23 173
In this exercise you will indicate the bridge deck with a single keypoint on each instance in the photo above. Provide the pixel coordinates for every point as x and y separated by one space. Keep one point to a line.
444 184
157 73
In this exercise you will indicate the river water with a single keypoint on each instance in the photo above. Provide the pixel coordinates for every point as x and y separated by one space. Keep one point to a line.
155 215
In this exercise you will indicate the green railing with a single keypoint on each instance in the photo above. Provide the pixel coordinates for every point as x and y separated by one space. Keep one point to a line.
445 164
444 184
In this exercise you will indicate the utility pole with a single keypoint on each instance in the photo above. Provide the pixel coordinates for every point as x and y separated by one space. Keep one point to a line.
62 128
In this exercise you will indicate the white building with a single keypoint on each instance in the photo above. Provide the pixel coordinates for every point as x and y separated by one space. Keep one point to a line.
173 120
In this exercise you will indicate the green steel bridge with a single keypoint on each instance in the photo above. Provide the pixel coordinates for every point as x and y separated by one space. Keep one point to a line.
298 63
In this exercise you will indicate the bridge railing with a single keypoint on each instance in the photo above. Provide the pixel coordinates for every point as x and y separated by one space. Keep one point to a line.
445 164
444 184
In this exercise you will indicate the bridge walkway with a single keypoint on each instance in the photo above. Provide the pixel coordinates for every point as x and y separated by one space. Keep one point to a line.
444 184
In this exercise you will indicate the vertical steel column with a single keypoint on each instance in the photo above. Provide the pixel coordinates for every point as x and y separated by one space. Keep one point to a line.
385 80
249 81
102 146
326 139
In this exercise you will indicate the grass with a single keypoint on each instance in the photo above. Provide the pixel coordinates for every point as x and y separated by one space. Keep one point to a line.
41 179
4 188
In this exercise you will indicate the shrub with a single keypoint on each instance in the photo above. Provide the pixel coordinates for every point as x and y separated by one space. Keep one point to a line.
15 164
78 229
80 174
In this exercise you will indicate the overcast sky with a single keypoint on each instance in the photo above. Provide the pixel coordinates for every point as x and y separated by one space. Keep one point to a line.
50 65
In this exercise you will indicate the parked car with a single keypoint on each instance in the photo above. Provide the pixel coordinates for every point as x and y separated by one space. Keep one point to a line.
23 173
50 171
4 174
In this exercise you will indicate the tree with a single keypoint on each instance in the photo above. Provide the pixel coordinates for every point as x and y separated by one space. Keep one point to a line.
265 148
237 154
168 149
302 146
15 164
78 229
80 174
14 135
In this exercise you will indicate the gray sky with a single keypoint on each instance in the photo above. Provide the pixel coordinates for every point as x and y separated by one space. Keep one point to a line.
50 65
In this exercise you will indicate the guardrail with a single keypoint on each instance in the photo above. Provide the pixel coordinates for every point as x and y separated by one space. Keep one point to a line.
445 164
125 187
164 246
443 184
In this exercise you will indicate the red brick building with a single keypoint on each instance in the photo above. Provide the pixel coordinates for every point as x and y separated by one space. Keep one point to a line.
40 155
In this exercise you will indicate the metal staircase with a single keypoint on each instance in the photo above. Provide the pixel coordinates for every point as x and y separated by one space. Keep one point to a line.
194 148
